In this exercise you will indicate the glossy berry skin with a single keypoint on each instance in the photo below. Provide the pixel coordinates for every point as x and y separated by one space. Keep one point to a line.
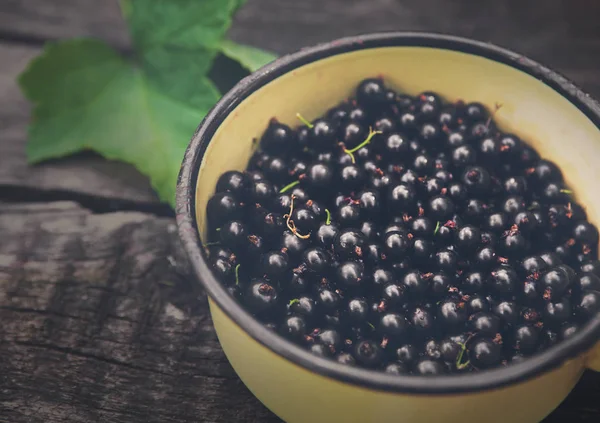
393 325
525 338
275 263
503 280
396 244
396 369
367 353
485 353
317 260
350 274
294 327
586 233
358 310
326 235
261 296
233 234
428 367
371 93
452 315
349 243
507 311
441 207
468 238
402 198
589 305
223 207
415 285
278 138
555 314
555 283
485 324
422 322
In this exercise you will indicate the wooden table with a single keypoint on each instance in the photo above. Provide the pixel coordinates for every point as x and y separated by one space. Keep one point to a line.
97 322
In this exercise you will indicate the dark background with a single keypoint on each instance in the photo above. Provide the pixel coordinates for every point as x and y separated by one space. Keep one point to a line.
97 322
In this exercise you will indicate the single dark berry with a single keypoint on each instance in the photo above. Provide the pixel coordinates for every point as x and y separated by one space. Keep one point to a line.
396 369
261 296
557 313
233 234
367 353
415 285
441 207
304 306
525 338
439 284
476 304
485 323
446 260
350 274
473 282
507 311
476 179
555 283
358 310
485 353
396 244
317 260
587 281
402 198
428 367
294 327
589 305
452 315
422 322
393 325
371 93
275 263
503 280
349 243
278 138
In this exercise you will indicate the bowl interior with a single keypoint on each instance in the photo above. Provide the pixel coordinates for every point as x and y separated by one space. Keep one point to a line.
534 111
530 109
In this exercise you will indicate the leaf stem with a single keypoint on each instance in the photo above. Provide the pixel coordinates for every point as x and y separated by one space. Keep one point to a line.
289 186
304 120
328 220
362 144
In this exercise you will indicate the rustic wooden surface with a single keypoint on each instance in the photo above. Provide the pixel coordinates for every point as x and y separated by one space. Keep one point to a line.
98 322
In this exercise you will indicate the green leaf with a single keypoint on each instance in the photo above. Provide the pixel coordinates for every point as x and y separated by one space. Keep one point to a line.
178 23
251 58
88 97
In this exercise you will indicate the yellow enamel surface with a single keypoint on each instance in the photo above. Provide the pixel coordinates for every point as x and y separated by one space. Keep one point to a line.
298 395
529 109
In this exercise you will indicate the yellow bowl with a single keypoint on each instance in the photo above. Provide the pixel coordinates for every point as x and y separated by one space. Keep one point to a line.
539 105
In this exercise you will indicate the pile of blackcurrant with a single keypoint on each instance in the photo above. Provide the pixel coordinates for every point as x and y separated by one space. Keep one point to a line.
405 234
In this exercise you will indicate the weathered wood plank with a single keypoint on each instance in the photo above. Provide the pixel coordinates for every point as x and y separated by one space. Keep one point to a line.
98 324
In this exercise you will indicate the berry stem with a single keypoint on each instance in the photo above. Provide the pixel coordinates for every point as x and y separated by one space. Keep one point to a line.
362 144
289 186
304 120
371 325
237 274
459 358
290 223
218 229
293 301
328 220
566 191
437 228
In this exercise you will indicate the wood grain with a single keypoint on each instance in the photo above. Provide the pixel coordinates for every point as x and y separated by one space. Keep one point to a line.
99 319
99 324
